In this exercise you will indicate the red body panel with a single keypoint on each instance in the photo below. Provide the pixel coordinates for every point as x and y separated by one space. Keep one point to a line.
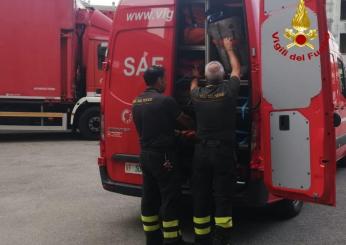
38 47
252 13
339 100
148 42
30 47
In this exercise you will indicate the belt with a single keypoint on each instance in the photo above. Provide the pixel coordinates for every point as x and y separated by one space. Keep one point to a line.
158 150
215 142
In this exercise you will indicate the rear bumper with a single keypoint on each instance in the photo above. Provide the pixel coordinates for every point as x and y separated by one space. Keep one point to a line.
121 188
255 194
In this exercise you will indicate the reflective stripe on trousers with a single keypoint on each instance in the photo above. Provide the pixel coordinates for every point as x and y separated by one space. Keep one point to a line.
202 225
171 229
224 222
150 223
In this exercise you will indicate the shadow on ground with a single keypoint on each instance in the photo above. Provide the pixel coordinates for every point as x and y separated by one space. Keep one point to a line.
248 220
34 137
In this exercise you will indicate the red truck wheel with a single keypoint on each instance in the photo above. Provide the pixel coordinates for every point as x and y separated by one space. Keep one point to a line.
89 123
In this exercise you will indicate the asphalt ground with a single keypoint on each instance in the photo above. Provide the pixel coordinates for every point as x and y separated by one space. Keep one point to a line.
50 193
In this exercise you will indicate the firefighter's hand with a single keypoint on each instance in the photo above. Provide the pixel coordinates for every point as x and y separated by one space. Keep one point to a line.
188 134
195 72
229 44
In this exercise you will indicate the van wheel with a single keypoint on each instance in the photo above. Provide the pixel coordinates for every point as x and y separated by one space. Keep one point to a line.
90 123
342 163
287 209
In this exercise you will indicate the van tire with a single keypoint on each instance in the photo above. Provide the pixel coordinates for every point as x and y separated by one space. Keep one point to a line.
287 209
342 163
89 123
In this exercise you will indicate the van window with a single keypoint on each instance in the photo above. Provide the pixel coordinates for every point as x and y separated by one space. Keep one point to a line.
343 10
102 50
343 43
342 76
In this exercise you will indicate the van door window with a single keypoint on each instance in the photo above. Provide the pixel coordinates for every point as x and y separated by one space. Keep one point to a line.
342 77
102 50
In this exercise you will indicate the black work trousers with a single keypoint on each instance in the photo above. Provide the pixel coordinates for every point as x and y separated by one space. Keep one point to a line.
161 192
213 187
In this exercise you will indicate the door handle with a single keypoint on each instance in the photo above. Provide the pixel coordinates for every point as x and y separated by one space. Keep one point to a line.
284 122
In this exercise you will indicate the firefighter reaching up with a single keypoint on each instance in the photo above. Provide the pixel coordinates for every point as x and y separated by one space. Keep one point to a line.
214 160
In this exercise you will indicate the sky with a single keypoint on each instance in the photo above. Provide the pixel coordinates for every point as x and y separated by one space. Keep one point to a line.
103 2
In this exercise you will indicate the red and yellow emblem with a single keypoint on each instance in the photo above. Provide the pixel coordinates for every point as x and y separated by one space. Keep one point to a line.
301 23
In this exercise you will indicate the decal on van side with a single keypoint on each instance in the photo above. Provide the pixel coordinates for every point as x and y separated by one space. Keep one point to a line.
288 70
136 67
282 50
302 36
154 14
126 116
301 23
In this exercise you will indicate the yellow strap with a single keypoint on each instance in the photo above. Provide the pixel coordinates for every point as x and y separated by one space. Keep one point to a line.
149 228
150 219
173 234
224 222
202 220
204 231
168 224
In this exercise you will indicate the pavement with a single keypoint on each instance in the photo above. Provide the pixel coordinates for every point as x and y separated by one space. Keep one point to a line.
50 194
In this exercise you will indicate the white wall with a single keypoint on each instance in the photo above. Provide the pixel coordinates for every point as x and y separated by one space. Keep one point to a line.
333 15
336 26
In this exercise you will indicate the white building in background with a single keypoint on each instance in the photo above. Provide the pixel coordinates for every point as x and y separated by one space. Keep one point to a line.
336 11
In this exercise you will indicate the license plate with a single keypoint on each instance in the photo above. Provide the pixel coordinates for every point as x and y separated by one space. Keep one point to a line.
132 168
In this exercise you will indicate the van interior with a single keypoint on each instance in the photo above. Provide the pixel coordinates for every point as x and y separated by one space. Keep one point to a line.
196 46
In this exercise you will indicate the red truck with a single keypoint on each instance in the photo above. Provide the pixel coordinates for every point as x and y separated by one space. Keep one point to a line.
51 66
291 124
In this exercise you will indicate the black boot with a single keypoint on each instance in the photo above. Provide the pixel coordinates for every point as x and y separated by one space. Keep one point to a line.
186 243
181 242
206 241
218 241
154 238
222 236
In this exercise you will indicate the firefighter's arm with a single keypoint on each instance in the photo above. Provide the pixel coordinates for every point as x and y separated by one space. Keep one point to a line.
176 114
185 121
186 134
195 77
233 58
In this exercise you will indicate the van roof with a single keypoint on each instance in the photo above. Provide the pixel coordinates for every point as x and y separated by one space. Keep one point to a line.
147 3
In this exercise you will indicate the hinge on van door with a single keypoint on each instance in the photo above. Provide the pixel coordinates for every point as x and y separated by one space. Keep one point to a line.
253 52
105 66
255 67
325 161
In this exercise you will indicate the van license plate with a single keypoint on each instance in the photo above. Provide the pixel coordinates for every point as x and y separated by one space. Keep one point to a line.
132 168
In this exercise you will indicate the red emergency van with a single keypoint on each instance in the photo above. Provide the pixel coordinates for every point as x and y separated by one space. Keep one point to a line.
291 114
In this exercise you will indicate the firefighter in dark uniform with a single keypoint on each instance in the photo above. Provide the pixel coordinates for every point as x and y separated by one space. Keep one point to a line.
214 160
155 116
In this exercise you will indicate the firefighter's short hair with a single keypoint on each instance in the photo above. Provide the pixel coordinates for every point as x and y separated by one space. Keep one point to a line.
214 71
152 74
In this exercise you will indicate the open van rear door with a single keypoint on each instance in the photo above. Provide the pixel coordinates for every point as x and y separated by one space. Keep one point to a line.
298 135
